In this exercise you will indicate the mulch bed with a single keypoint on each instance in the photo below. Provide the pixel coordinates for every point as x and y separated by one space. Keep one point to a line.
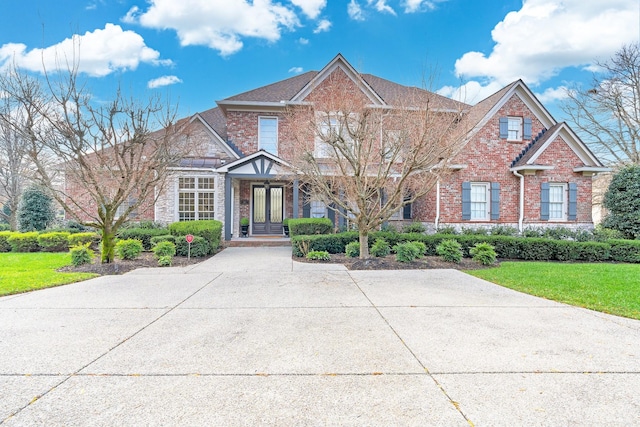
119 266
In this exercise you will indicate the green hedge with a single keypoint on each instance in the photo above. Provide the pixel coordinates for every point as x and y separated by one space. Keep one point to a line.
57 241
310 226
83 238
210 230
506 247
24 242
4 244
199 247
164 238
142 234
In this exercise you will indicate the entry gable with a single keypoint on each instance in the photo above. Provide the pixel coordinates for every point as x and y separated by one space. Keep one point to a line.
339 64
260 164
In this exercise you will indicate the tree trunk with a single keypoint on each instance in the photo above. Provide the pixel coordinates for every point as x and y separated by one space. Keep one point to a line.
364 244
108 245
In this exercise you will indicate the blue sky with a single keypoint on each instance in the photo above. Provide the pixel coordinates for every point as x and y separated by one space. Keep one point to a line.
200 51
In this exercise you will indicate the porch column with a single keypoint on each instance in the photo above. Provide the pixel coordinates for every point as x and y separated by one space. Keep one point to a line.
228 205
295 197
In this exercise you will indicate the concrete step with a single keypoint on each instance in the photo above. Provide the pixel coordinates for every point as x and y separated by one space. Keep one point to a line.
256 242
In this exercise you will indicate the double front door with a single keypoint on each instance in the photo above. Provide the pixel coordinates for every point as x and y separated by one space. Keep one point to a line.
267 209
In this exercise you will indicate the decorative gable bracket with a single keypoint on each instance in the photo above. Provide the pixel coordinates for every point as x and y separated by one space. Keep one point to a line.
591 170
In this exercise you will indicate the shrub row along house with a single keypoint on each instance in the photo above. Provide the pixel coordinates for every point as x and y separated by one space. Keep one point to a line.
510 162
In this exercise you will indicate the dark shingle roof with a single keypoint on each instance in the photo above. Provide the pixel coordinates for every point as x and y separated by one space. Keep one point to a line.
283 90
534 146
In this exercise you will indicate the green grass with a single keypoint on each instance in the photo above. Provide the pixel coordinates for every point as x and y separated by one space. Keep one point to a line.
609 288
22 272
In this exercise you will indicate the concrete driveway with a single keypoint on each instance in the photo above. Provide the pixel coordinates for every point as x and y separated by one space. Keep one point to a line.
251 338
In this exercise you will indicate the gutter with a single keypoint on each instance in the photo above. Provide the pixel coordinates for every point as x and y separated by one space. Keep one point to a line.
437 205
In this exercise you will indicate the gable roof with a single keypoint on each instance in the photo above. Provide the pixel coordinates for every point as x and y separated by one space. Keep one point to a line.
214 120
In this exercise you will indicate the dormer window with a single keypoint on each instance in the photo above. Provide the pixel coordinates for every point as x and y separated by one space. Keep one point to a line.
514 128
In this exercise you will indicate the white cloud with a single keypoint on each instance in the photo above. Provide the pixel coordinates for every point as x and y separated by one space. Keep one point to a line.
163 81
412 6
355 11
544 36
471 92
220 25
296 70
323 26
303 41
381 6
551 95
98 53
311 8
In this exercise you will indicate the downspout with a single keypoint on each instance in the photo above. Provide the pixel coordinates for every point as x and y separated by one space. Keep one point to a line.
521 216
437 204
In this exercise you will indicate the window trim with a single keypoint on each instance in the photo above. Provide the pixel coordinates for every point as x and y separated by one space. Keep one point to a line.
277 143
487 201
564 203
196 191
520 130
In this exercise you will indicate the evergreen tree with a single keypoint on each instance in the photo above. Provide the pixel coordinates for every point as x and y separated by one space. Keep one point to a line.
36 209
622 199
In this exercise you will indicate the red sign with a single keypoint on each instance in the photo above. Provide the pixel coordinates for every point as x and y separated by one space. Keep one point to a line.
189 238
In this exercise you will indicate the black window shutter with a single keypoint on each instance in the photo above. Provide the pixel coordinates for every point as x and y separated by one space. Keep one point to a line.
526 131
306 202
406 211
504 127
466 201
573 201
544 201
331 214
495 201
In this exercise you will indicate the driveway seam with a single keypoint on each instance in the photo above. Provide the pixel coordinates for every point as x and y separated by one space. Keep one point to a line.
35 399
455 404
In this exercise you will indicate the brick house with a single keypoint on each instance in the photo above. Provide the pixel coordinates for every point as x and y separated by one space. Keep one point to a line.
518 168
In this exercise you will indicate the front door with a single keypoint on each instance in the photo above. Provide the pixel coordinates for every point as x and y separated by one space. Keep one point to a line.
267 209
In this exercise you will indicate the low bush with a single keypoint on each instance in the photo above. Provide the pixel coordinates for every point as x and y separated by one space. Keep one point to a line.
144 235
4 243
54 241
164 238
406 252
24 242
447 230
129 248
146 224
319 255
352 250
83 238
624 250
81 254
380 248
165 261
503 230
164 249
199 247
450 250
332 243
4 227
414 227
483 253
422 247
310 226
210 230
594 251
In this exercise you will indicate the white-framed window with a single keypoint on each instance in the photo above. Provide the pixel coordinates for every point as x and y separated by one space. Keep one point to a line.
317 209
480 197
514 128
557 202
196 198
326 125
125 205
268 134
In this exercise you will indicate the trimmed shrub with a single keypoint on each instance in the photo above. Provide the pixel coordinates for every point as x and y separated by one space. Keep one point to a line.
24 242
414 227
164 249
352 250
380 248
537 249
594 251
54 241
4 243
332 243
210 230
448 230
502 230
450 250
81 254
483 253
165 261
602 234
4 227
310 226
566 251
199 247
146 224
144 235
406 252
164 238
35 211
624 250
422 247
83 238
129 248
319 255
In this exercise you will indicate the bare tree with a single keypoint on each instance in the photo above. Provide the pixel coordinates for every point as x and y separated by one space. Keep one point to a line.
607 115
110 162
14 164
369 162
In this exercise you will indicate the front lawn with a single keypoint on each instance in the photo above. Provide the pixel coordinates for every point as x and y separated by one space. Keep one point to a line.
21 272
610 288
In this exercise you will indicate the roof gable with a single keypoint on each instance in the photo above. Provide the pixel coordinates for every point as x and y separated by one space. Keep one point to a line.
215 123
